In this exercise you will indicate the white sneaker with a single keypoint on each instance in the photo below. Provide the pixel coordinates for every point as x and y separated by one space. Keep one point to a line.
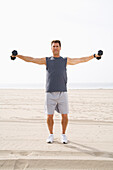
50 138
64 139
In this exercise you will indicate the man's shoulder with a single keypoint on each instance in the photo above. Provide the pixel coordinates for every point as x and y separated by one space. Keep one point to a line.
49 58
63 58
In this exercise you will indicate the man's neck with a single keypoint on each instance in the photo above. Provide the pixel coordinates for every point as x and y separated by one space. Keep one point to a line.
57 56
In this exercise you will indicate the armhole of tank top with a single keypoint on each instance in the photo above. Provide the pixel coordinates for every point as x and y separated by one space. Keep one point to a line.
65 60
46 63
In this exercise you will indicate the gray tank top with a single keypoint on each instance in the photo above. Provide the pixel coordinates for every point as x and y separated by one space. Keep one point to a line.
56 74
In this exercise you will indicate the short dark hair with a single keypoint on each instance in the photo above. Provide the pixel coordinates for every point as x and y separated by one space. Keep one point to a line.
56 41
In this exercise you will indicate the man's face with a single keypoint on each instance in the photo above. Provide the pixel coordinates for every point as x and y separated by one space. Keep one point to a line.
55 49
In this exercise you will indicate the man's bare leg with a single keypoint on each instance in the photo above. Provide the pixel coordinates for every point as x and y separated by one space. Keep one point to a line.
50 123
64 126
64 122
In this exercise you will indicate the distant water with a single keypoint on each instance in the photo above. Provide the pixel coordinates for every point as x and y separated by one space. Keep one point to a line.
70 86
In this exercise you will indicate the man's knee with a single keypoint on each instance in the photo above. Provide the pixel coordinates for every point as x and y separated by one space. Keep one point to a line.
49 117
65 116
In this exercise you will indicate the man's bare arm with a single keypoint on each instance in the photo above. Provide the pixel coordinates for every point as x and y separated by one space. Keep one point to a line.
31 59
73 61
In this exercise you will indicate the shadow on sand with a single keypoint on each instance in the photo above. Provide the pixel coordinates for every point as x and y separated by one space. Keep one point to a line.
88 150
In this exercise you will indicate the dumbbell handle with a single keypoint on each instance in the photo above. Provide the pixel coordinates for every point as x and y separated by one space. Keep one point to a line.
14 53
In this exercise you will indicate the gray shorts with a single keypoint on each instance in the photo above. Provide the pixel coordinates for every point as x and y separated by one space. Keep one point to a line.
56 101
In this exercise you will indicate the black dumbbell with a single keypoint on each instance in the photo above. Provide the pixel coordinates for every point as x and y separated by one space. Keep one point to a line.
14 53
100 53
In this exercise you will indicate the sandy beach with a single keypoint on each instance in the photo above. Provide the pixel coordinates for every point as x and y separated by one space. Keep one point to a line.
23 131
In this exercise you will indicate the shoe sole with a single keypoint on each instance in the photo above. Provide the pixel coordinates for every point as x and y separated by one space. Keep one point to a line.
49 142
64 142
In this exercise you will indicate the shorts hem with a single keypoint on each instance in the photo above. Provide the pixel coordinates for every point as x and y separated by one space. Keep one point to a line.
57 112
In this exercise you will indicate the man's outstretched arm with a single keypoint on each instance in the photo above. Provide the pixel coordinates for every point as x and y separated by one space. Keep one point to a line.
73 61
31 59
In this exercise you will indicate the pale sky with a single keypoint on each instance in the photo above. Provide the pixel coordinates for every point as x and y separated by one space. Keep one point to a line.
29 26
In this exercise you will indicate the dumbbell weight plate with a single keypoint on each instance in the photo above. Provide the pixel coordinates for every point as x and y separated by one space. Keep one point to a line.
98 58
100 52
14 53
13 58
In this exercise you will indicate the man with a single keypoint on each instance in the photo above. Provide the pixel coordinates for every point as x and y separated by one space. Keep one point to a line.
56 85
